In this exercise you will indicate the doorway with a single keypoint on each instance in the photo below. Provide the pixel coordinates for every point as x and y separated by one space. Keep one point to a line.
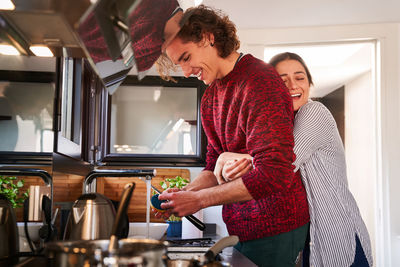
345 80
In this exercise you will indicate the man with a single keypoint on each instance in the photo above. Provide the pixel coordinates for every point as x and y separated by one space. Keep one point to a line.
245 109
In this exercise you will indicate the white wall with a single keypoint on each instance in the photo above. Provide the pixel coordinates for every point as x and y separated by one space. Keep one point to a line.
211 214
387 114
360 136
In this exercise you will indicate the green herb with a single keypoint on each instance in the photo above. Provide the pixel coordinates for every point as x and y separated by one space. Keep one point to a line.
177 182
11 190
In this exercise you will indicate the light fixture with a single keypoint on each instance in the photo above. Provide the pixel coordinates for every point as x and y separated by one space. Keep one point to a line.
7 5
8 50
41 51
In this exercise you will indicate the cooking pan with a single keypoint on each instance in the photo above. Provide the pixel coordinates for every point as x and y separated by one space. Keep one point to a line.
208 259
109 252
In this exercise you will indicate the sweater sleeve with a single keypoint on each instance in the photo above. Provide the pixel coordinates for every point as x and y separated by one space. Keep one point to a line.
314 128
211 158
268 123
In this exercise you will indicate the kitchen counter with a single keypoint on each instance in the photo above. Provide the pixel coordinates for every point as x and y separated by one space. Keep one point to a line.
235 258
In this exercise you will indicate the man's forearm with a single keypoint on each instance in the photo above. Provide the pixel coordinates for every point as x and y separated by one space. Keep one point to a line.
205 179
234 191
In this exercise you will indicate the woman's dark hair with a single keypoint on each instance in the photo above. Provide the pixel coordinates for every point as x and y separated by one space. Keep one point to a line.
197 23
287 56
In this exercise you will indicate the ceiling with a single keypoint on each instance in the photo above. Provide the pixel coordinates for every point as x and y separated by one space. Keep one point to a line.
257 14
253 14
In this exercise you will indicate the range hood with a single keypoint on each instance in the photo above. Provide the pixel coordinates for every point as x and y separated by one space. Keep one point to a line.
44 22
114 35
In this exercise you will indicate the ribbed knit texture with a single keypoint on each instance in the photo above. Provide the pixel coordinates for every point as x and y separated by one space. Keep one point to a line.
250 111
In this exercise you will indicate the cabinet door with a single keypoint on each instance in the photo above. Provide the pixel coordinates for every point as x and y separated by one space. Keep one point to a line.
69 101
27 90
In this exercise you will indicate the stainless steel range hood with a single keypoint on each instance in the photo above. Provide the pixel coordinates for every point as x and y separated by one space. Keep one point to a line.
44 22
114 35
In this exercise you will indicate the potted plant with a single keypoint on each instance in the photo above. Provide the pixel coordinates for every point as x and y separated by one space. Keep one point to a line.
175 223
11 190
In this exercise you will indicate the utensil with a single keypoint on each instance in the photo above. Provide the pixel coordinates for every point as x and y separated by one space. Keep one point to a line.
91 217
196 222
123 205
225 242
9 244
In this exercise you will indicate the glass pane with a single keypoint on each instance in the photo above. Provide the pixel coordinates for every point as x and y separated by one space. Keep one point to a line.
26 116
67 100
154 120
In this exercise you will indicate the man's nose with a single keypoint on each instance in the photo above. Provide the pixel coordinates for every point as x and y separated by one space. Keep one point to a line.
187 70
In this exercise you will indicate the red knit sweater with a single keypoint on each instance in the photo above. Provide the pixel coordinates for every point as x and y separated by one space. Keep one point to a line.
250 111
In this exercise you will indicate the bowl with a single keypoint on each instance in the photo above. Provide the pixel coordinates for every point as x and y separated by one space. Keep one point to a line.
33 230
138 230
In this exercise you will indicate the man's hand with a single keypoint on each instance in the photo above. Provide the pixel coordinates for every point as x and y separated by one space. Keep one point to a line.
180 203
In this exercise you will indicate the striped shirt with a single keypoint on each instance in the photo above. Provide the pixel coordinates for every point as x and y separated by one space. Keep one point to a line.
334 216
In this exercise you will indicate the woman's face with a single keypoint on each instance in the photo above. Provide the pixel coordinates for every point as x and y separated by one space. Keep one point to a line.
294 75
198 59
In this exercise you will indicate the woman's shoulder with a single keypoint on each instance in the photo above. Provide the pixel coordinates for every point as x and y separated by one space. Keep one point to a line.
315 110
315 107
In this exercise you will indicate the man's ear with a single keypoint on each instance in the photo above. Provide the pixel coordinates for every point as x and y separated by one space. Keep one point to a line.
208 39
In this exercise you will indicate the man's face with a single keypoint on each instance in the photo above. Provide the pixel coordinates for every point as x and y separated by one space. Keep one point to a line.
198 59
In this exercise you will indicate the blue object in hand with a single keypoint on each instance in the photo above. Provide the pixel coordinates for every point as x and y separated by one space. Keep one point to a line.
156 203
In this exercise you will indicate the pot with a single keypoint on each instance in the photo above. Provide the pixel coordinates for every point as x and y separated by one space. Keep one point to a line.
130 252
208 259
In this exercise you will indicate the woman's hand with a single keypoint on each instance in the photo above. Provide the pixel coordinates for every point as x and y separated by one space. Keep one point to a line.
234 169
236 165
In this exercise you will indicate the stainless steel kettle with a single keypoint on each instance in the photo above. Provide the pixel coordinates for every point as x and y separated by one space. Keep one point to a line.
91 217
9 245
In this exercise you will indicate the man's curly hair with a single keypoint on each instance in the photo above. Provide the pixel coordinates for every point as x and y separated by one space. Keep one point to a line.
198 22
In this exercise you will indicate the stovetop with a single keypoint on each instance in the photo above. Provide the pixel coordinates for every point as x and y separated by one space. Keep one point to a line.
195 242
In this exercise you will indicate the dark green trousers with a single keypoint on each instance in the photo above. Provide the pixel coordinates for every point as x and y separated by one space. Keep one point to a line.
276 251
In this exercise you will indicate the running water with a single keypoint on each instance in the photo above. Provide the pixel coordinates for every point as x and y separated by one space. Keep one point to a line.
148 188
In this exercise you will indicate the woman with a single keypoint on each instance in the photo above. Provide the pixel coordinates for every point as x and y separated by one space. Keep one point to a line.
338 235
266 208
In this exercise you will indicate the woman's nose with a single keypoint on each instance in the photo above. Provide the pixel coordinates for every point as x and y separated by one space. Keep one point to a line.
292 84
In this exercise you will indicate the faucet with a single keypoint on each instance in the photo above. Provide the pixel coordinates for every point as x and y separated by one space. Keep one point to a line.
46 177
148 173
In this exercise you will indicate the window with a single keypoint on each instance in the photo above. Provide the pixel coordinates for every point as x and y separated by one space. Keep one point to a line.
156 122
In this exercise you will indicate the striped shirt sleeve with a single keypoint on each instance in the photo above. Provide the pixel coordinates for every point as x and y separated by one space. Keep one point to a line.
312 130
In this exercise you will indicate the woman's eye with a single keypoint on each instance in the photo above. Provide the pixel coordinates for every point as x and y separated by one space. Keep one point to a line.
185 59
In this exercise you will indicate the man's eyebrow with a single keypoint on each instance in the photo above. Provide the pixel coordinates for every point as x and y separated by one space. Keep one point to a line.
181 57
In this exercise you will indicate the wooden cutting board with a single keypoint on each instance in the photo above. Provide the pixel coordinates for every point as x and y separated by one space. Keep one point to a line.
112 188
